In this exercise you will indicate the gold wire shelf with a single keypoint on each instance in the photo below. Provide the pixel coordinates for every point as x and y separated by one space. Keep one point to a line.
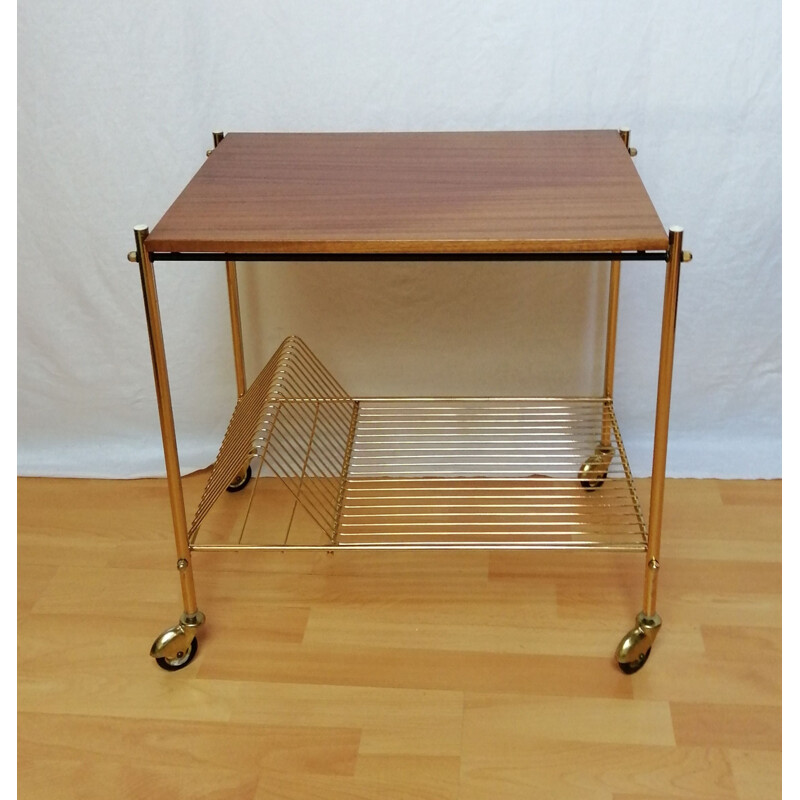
428 473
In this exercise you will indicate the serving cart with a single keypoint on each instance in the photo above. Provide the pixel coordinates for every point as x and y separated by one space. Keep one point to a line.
428 473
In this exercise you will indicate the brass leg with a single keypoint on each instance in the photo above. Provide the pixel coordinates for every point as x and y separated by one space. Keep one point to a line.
635 647
236 327
594 470
176 646
242 479
611 349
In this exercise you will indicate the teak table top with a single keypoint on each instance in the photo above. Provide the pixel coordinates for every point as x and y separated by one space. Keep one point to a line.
414 193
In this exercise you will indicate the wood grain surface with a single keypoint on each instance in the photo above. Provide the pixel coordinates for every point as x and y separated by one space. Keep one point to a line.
395 675
497 192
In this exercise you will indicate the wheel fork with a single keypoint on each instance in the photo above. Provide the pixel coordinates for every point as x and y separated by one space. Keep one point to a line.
634 648
175 641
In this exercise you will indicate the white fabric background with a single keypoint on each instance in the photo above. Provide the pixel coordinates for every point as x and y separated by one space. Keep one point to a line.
116 104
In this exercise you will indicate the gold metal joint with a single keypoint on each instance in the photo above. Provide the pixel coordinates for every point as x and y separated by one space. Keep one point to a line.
649 624
133 257
209 152
653 564
686 256
183 564
625 135
192 620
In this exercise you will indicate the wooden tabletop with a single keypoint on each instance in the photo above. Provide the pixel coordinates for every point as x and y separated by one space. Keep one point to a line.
460 193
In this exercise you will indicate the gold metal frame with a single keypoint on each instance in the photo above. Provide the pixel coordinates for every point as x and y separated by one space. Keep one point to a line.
425 473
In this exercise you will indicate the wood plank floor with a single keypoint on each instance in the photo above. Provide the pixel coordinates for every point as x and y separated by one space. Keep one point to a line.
396 675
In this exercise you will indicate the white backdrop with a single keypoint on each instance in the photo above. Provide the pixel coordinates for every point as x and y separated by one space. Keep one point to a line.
116 104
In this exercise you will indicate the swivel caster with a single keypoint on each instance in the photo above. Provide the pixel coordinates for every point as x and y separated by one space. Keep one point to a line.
240 481
634 649
594 470
176 647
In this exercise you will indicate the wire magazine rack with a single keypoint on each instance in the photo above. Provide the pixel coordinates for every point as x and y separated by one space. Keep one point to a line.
386 473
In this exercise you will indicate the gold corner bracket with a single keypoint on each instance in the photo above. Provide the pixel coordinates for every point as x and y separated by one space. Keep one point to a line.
625 134
218 137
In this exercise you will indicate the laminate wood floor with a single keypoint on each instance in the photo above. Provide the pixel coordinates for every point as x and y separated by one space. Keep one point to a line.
395 675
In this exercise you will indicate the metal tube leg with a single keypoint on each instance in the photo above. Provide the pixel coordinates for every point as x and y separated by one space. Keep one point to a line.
233 303
594 470
176 646
242 479
245 472
635 647
662 418
611 349
236 327
611 330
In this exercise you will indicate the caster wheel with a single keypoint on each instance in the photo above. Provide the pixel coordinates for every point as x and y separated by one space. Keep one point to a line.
239 483
593 472
634 649
629 667
590 486
181 660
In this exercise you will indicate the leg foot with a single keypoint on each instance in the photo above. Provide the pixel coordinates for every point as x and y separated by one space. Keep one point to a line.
634 649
